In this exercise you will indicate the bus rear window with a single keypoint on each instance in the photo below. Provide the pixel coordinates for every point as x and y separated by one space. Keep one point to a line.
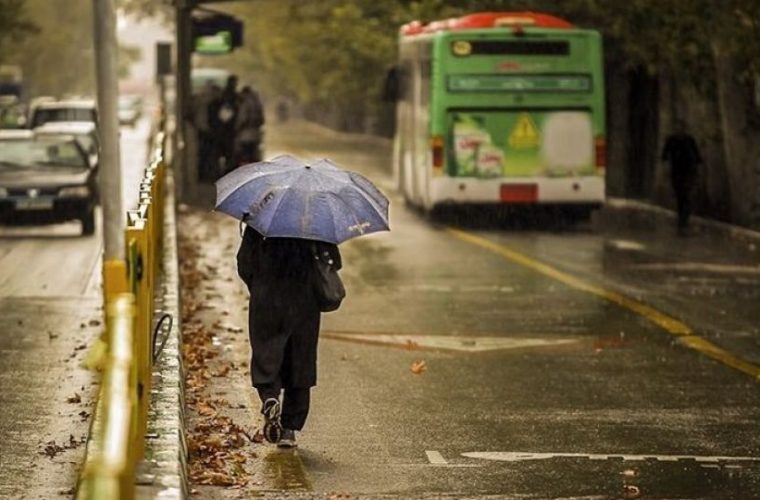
511 47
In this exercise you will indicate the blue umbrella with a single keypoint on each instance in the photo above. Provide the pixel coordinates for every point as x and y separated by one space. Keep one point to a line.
286 198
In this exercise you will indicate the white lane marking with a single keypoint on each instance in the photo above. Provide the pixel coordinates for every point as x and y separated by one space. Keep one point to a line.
699 267
435 458
625 245
449 343
517 456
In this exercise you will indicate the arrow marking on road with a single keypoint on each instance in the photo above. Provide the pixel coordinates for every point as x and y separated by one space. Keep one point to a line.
448 343
435 458
518 456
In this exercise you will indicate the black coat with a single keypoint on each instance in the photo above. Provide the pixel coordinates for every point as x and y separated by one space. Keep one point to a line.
283 317
682 153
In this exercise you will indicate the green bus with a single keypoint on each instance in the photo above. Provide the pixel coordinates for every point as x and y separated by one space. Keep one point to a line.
500 108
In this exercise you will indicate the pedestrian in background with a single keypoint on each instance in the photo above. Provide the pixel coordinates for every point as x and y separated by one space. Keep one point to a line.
207 156
223 113
250 119
284 318
683 155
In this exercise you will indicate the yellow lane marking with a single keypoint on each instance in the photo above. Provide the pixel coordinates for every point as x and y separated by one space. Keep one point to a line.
709 349
667 323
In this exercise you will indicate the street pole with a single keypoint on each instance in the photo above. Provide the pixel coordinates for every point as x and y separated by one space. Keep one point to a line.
106 52
184 9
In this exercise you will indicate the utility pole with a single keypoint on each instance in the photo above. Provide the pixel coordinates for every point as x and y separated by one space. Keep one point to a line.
184 9
106 70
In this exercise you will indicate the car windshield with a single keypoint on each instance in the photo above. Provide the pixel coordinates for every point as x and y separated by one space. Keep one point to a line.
42 116
30 153
87 143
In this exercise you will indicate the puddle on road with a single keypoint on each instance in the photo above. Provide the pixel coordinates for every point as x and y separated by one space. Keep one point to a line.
284 470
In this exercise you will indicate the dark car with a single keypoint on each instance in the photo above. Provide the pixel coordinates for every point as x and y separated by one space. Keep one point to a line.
46 178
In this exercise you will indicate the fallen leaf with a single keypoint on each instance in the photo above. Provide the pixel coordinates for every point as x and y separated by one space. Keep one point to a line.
418 367
258 438
75 399
206 409
631 491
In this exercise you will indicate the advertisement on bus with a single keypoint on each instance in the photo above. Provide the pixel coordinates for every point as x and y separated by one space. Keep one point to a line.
522 143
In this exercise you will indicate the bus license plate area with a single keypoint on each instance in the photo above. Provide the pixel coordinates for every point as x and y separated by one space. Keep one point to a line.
519 193
34 204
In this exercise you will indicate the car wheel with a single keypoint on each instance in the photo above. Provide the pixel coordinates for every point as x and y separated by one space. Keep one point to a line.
88 223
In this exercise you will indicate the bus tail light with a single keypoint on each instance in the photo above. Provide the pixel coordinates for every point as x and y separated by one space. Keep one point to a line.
600 152
436 146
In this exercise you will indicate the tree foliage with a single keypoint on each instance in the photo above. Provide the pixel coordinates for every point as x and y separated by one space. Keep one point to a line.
56 57
52 43
14 24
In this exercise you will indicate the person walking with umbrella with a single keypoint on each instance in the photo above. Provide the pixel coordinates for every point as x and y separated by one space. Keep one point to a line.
295 216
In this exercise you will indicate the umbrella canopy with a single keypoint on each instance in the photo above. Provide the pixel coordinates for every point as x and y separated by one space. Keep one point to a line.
287 198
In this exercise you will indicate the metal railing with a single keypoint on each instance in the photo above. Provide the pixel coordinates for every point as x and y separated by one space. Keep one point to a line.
116 441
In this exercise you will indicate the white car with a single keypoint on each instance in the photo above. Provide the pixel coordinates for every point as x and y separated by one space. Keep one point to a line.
130 109
83 110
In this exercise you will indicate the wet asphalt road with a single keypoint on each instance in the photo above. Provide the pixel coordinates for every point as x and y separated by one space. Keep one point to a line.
539 383
50 308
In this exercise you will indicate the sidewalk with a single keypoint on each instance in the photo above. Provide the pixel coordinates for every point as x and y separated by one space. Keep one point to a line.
642 214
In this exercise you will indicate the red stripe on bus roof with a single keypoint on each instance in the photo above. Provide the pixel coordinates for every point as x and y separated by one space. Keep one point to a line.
487 20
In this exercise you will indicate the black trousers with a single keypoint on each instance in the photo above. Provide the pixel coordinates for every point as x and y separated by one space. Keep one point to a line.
208 158
683 186
284 335
295 404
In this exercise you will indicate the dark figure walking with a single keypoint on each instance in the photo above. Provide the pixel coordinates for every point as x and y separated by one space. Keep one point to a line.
208 157
250 119
222 116
283 326
682 153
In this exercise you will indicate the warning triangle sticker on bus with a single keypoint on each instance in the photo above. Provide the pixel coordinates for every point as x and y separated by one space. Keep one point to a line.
524 135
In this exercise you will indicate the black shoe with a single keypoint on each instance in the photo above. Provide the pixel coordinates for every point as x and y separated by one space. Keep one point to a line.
272 426
288 439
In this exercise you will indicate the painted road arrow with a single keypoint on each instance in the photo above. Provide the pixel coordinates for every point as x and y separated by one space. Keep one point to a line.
447 342
518 456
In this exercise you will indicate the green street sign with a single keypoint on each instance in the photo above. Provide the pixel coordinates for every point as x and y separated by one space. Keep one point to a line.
220 43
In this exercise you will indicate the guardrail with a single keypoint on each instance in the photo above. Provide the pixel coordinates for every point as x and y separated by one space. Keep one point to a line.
117 435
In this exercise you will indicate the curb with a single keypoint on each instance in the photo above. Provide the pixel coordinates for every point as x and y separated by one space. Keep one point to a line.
163 472
641 212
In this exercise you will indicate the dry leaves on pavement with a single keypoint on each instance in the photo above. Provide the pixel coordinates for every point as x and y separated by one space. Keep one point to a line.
217 446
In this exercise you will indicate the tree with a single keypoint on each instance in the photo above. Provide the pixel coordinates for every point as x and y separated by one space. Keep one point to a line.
14 24
56 58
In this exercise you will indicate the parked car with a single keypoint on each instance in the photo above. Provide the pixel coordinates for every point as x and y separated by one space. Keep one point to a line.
82 110
46 178
130 109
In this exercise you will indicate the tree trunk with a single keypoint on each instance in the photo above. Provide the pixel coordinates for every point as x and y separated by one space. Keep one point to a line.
643 119
741 138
